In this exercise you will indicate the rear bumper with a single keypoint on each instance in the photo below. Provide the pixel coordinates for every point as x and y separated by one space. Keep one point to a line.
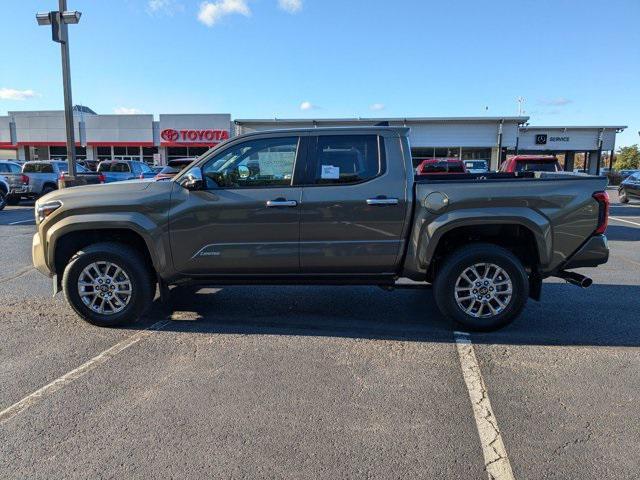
593 253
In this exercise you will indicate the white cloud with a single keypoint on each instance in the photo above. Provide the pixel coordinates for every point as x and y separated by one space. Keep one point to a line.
306 105
168 7
376 107
556 102
291 6
126 111
211 12
13 94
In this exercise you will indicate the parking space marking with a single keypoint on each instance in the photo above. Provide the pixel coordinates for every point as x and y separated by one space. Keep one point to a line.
625 221
76 373
496 462
22 221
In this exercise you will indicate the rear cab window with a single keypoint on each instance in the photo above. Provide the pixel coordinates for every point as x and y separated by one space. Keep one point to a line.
346 159
38 168
537 166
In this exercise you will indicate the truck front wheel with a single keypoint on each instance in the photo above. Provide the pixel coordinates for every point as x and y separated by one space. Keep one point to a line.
108 284
482 287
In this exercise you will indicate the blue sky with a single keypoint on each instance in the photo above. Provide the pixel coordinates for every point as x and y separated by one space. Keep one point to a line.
575 62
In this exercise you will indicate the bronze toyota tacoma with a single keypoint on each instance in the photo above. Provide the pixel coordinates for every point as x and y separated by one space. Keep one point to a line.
337 206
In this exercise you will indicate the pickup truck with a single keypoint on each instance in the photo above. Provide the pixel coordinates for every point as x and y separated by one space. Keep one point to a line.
18 183
119 170
336 206
43 175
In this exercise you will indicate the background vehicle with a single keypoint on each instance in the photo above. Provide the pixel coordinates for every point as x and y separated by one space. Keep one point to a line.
629 189
18 183
329 206
625 173
43 176
440 165
4 191
119 170
531 163
173 168
476 166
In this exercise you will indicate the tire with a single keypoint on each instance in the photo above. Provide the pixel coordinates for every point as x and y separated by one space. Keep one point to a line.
12 200
135 278
469 313
47 189
623 196
3 200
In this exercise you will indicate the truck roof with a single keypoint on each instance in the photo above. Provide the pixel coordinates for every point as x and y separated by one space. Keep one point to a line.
402 131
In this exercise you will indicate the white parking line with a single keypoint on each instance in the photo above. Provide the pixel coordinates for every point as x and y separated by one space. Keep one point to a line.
76 373
625 221
22 221
496 461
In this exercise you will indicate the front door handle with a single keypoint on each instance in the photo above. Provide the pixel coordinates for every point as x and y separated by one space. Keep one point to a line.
282 203
382 201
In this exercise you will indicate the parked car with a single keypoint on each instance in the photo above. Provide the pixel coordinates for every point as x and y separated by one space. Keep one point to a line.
440 165
531 163
18 182
629 189
119 170
173 168
626 173
476 166
43 176
4 191
322 206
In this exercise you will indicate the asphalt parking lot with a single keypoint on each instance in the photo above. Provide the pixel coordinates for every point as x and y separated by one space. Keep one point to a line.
319 382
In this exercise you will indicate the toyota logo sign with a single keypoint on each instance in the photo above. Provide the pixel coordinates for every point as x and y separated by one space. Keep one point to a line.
189 135
170 135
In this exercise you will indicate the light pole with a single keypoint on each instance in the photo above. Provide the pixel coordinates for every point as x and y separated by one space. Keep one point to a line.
59 20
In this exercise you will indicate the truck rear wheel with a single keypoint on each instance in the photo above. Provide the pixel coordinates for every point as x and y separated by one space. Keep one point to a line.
3 200
482 287
108 284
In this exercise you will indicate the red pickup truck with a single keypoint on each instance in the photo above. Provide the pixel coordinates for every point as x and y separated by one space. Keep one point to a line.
531 163
441 165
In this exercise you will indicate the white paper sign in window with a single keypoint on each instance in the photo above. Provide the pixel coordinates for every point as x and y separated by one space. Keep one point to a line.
276 164
329 172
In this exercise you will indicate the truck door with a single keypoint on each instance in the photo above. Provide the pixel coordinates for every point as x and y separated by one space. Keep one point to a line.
246 220
353 206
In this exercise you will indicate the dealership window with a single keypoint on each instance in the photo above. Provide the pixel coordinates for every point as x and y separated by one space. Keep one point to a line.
476 154
148 153
174 153
126 153
60 153
103 153
422 153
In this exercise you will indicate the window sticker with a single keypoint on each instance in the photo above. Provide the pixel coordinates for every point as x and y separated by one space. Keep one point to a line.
329 172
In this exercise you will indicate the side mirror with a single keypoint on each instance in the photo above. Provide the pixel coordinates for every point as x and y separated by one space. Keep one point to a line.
192 180
243 171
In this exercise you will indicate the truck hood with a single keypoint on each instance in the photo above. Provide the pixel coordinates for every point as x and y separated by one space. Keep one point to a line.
106 193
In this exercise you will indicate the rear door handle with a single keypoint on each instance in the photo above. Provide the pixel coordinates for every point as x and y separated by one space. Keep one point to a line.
282 203
382 201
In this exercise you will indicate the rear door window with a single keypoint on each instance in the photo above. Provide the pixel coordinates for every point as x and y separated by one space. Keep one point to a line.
346 159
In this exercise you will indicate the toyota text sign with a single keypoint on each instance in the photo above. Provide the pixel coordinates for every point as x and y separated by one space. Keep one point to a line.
189 135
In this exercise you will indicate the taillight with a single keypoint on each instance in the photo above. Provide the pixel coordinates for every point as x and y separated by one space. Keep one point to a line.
24 179
101 178
141 177
603 212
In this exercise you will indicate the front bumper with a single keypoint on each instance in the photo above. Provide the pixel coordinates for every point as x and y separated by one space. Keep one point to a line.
593 253
38 257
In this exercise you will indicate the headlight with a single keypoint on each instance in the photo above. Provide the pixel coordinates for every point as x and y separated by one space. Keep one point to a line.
46 209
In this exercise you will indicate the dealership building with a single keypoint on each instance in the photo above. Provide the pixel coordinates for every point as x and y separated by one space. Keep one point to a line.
41 135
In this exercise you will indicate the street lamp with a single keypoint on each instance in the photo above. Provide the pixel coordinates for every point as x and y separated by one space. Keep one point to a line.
59 33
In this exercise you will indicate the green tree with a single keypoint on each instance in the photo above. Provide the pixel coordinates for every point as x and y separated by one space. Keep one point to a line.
627 158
